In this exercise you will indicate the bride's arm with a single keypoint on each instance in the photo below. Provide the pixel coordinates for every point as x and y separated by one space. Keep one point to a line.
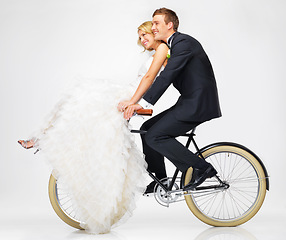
146 82
158 60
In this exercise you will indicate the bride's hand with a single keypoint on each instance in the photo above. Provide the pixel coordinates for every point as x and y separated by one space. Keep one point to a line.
129 111
123 105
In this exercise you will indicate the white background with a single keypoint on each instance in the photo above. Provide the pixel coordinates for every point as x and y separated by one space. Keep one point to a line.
44 45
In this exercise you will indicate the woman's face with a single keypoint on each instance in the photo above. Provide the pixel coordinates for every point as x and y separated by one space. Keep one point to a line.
147 39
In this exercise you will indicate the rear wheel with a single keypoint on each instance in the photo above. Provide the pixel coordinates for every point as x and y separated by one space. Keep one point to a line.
243 198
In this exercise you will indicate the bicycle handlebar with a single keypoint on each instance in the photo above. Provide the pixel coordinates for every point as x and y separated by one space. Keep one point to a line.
146 112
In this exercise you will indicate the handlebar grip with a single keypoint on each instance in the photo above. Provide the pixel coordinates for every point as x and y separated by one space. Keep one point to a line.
146 112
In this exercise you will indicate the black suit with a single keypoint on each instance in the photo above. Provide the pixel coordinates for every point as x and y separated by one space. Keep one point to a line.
191 73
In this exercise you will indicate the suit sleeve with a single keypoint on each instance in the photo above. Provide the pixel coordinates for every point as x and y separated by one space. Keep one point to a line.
181 53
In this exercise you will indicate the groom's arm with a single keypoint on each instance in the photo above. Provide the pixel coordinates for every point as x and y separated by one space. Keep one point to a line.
180 55
144 104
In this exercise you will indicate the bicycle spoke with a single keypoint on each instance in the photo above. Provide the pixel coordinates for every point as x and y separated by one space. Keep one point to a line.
64 200
246 179
244 194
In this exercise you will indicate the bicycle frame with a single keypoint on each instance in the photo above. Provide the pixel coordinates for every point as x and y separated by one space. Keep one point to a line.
199 153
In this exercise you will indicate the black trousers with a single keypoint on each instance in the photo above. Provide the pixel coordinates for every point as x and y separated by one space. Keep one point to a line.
160 140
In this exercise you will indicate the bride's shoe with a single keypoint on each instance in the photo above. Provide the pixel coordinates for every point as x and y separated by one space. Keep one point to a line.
27 143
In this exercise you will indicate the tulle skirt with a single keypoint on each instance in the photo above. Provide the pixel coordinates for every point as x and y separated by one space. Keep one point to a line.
89 145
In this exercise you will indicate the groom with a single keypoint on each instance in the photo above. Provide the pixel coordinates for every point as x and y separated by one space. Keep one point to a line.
191 73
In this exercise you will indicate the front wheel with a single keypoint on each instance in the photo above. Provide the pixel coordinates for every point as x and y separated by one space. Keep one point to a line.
235 205
61 203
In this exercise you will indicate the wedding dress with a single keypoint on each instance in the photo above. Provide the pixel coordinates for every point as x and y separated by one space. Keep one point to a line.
90 148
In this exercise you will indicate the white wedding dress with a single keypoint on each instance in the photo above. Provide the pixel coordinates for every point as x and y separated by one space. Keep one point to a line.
90 148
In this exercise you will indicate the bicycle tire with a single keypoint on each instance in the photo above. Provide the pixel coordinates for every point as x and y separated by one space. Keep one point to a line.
62 212
245 195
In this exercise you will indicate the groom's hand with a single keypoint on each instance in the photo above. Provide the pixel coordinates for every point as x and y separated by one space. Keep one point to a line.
129 111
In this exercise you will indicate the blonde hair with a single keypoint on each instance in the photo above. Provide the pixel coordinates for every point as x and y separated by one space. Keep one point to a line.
147 28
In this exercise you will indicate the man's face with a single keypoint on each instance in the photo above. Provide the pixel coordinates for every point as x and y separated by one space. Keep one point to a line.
160 28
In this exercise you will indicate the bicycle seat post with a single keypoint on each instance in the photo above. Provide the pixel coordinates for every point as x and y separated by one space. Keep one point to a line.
193 131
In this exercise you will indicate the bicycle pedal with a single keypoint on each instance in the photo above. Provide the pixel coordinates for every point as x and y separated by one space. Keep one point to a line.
148 194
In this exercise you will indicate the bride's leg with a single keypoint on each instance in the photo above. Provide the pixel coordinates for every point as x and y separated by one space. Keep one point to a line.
34 141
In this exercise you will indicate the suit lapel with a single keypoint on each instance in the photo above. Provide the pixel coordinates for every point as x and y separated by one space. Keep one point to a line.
173 38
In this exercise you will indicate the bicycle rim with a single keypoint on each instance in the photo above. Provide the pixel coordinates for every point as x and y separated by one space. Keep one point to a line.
62 203
238 203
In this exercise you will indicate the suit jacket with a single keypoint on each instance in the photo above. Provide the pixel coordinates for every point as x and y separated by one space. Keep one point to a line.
191 73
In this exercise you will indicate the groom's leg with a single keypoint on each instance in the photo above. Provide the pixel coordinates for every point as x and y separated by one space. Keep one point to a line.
154 159
161 137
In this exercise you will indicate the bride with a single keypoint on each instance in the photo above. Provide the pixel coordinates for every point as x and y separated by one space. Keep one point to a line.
89 145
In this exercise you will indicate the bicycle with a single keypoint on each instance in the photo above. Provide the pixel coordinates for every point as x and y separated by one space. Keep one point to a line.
230 198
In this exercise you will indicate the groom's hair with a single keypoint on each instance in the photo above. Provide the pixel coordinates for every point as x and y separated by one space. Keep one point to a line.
170 16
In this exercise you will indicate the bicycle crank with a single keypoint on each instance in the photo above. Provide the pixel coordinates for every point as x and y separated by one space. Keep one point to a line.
165 198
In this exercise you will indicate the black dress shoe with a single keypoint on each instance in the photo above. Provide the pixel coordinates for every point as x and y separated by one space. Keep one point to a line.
149 189
199 176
